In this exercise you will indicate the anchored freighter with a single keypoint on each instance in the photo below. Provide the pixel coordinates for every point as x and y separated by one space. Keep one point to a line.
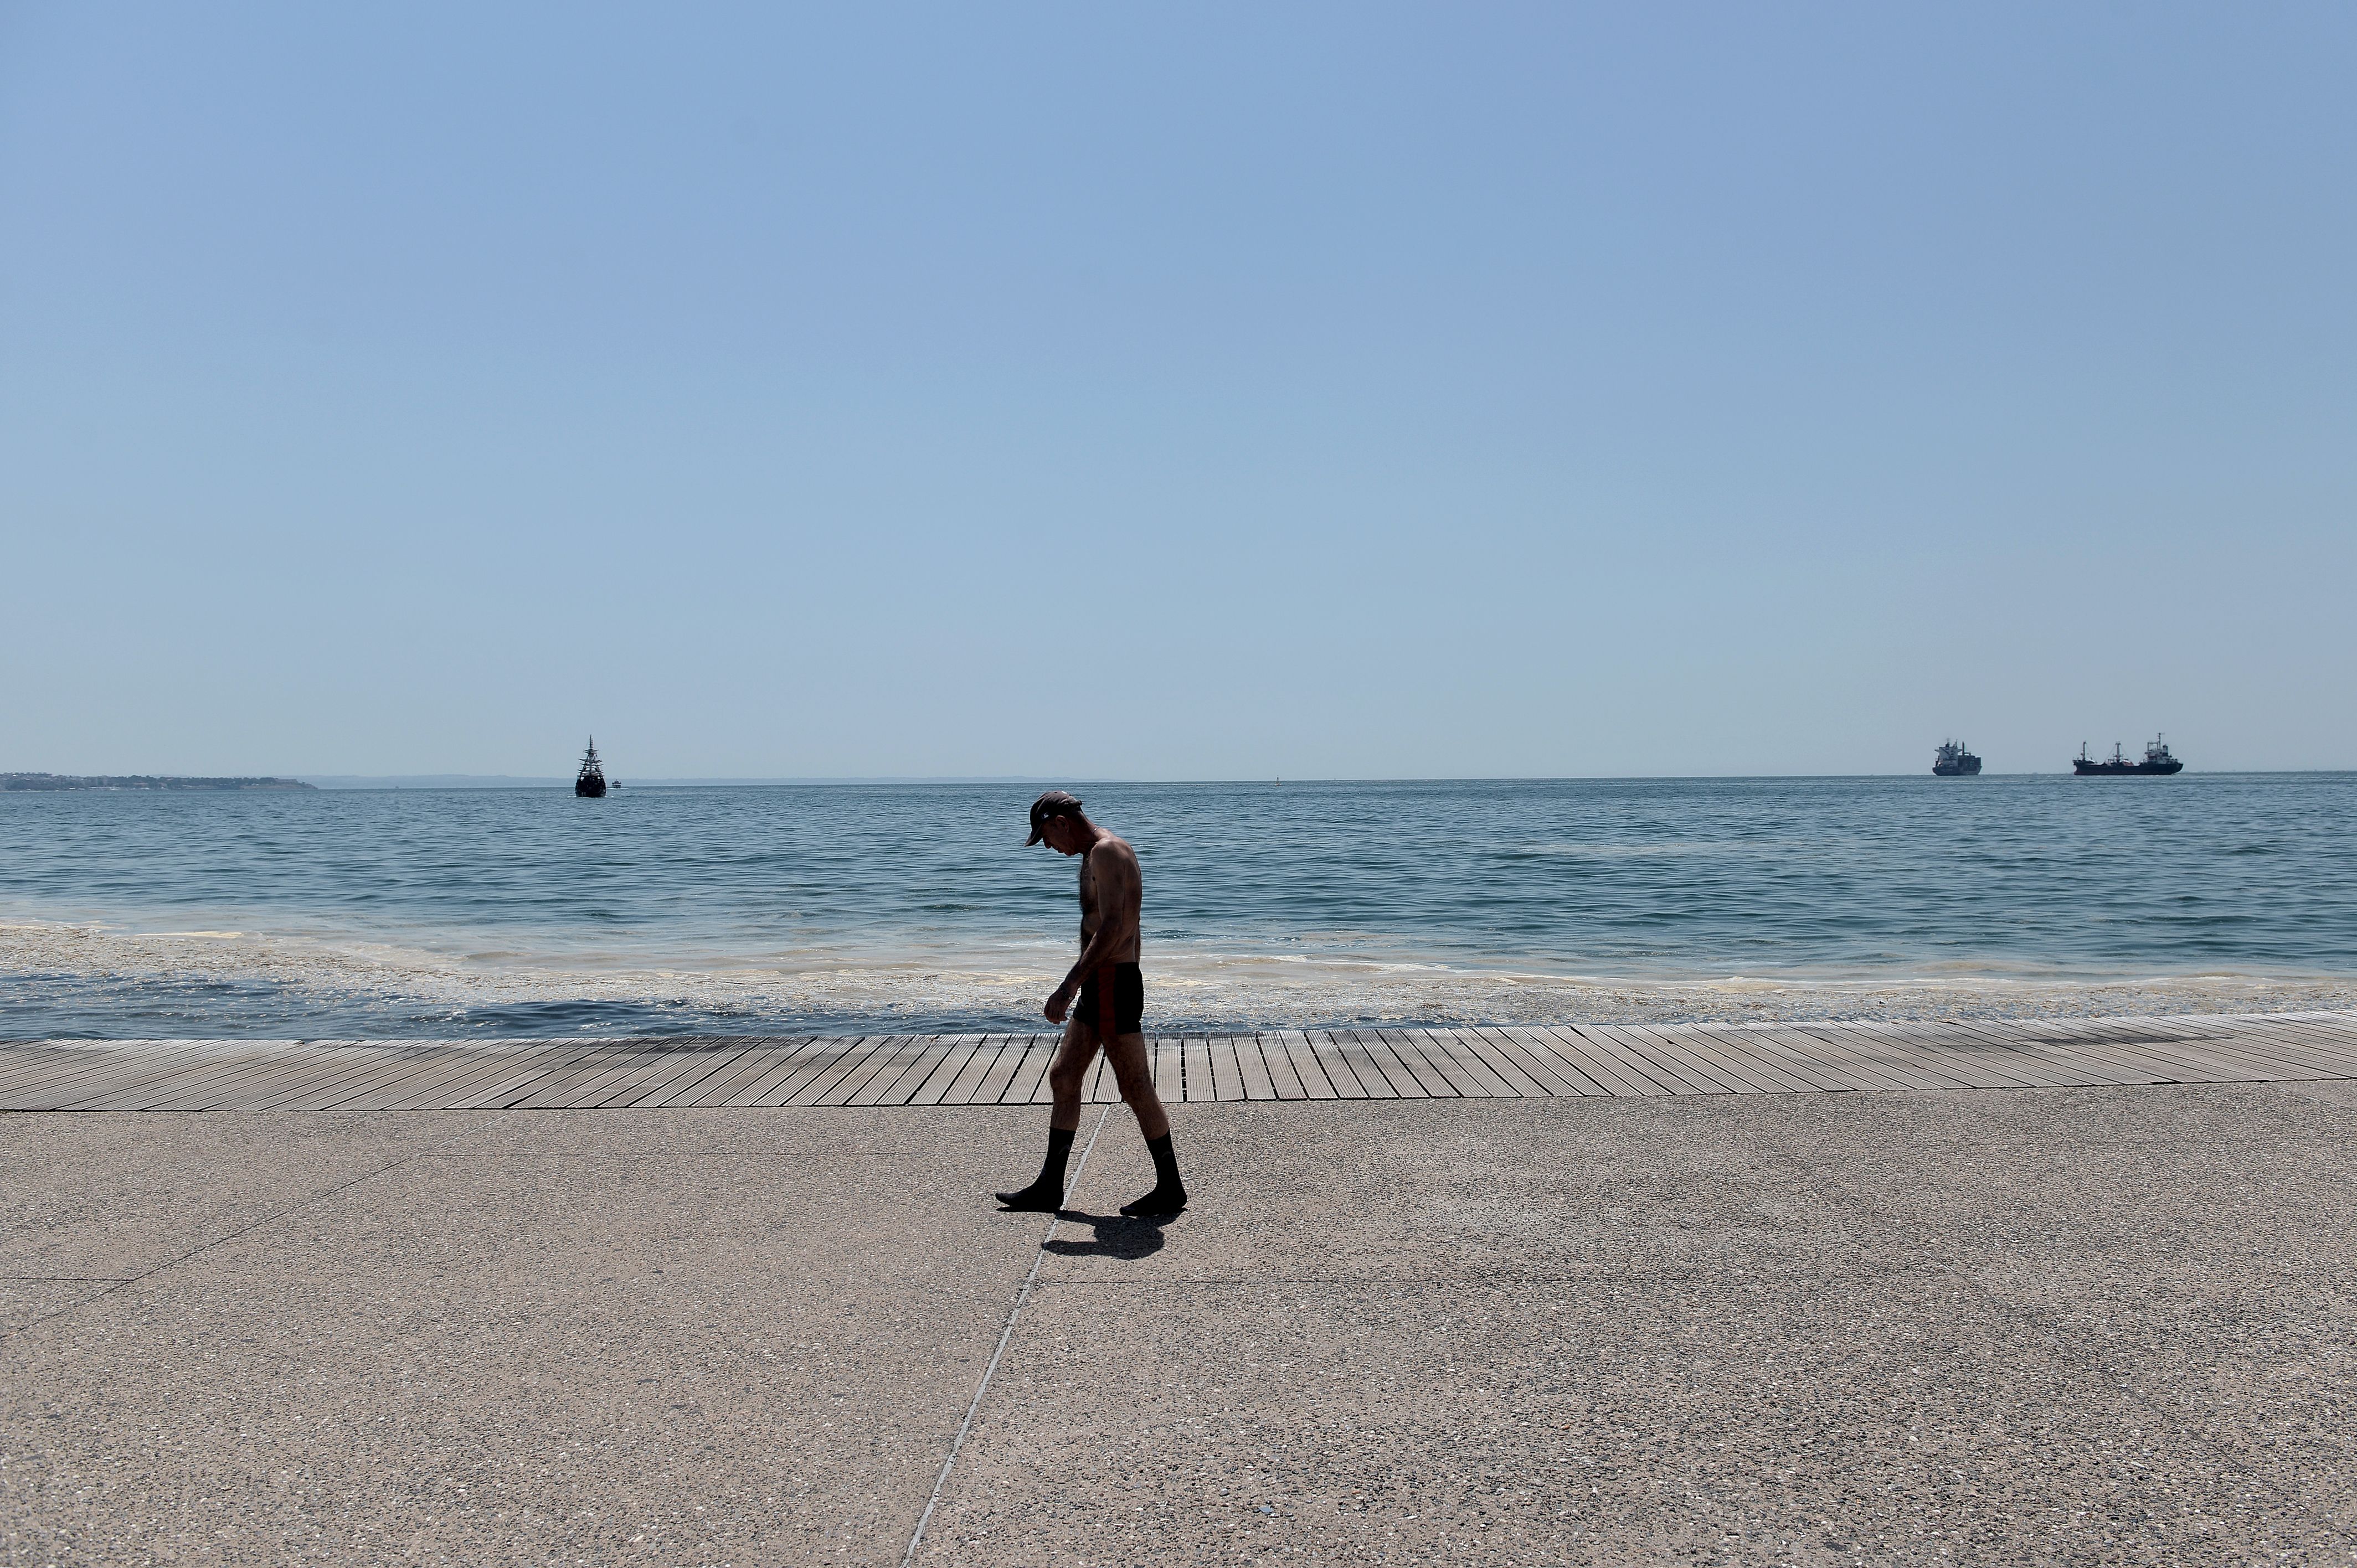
1955 759
2156 759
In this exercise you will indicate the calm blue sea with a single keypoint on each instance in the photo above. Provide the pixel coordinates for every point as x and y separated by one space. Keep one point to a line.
909 906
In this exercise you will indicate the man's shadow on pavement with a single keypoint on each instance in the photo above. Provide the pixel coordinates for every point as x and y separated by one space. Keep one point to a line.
1117 1236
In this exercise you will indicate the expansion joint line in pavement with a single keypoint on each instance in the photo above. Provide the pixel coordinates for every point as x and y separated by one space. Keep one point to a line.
247 1229
1005 1334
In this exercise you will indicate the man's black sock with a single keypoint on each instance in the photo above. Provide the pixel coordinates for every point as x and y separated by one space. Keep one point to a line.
1047 1193
1169 1194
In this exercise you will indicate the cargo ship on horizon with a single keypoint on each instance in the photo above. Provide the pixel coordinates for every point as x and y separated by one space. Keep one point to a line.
2156 759
1955 759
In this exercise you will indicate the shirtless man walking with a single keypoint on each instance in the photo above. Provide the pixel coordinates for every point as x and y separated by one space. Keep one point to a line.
1111 1016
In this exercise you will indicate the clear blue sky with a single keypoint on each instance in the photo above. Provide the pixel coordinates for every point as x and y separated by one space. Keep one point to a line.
1175 391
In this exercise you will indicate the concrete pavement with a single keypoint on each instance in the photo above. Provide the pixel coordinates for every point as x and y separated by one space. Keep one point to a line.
2069 1325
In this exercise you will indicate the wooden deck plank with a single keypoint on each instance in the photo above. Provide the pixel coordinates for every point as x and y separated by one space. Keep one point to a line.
2287 1047
101 1065
2066 1053
883 1070
325 1063
585 1060
655 1066
28 1059
50 1066
1810 1061
250 1076
926 1053
1028 1086
762 1076
1706 1064
446 1061
465 1065
596 1070
2202 1059
1616 1063
1300 1062
282 1071
2336 1029
1227 1069
1806 1055
1017 1060
475 1064
1595 1057
1543 1062
515 1078
1403 1079
1683 1064
825 1054
1195 1054
1482 1058
887 1061
196 1077
1169 1072
628 1065
694 1067
1259 1083
2315 1031
825 1071
748 1069
2069 1066
124 1090
1856 1052
921 1062
959 1080
1428 1060
1354 1072
1999 1051
1284 1078
2077 1037
1965 1063
690 1066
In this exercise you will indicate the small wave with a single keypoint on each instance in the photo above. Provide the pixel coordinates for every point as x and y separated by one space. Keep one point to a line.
78 979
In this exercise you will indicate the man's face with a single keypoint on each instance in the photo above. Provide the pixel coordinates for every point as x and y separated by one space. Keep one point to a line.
1064 835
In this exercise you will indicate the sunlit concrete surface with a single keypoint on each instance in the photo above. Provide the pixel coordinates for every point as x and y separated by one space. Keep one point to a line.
2030 1325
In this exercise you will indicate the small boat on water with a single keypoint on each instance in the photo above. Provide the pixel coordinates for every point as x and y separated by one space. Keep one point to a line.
590 782
2156 759
1955 759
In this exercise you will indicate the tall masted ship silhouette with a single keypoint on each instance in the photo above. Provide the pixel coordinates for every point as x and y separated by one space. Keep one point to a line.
590 782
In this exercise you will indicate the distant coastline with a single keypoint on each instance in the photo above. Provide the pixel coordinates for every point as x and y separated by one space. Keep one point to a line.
139 781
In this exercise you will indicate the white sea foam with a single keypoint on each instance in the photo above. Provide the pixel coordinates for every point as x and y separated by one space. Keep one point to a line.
1212 985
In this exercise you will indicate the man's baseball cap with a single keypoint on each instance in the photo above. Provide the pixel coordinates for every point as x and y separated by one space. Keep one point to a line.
1054 804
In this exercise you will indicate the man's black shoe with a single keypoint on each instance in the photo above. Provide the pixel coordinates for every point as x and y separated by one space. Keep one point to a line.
1160 1204
1037 1199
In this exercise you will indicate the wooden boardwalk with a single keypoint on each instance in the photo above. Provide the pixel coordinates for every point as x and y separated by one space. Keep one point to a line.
1322 1064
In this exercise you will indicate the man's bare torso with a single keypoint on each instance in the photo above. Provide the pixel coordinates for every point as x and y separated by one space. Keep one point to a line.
1119 865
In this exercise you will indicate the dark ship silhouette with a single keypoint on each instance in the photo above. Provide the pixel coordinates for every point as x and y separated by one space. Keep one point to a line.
2156 760
590 782
1955 759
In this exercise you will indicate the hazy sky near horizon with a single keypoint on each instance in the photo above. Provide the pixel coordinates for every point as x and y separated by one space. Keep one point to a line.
1175 391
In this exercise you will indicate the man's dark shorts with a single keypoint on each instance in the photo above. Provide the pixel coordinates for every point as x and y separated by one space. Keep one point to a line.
1121 1013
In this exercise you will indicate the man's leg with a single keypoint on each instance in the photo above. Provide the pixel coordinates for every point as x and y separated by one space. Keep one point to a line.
1127 1054
1066 1077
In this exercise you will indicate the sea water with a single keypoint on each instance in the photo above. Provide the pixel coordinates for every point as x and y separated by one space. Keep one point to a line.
897 907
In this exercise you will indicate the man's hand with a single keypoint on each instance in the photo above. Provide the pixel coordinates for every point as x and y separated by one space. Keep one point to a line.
1058 1005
